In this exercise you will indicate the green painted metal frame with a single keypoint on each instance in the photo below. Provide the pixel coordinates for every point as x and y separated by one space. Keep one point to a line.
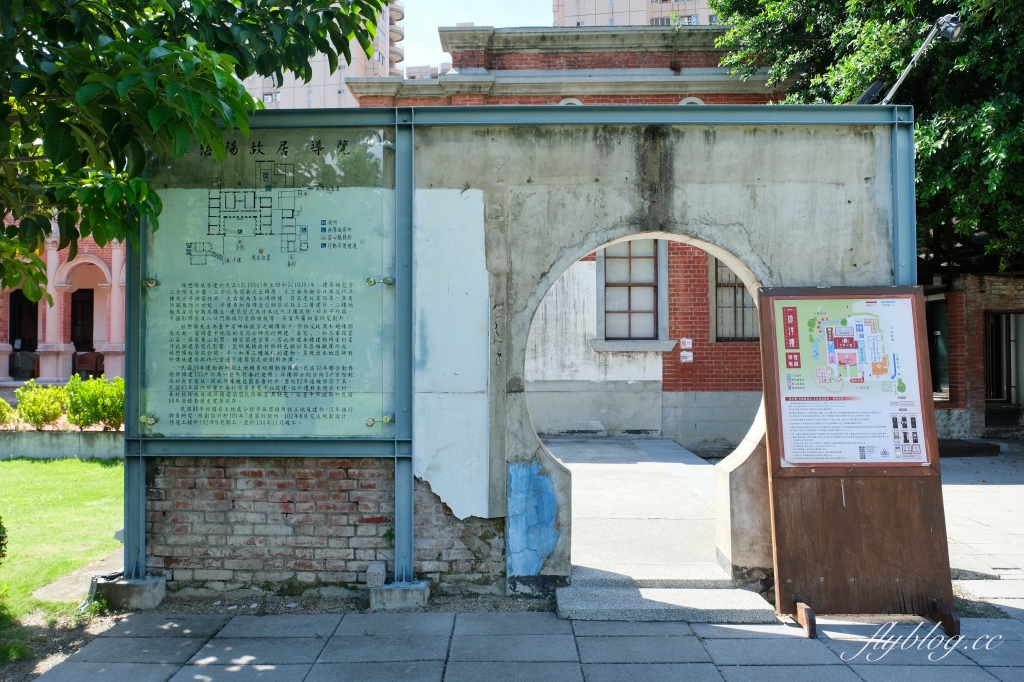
404 121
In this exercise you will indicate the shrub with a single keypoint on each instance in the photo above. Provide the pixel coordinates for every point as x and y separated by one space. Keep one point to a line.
40 405
95 401
3 542
7 413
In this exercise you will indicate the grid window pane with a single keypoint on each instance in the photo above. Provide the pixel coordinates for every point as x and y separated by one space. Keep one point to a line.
735 312
631 309
616 325
642 247
616 299
641 299
642 325
642 271
616 270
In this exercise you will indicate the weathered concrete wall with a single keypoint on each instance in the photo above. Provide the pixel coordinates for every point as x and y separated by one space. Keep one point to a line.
572 389
780 205
697 419
61 444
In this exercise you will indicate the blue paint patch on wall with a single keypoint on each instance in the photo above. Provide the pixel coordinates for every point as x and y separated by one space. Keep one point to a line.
531 533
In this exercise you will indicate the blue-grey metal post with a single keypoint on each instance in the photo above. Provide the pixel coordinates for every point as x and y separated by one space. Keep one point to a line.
134 466
404 555
904 208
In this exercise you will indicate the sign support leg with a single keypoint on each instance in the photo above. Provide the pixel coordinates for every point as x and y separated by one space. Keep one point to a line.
134 517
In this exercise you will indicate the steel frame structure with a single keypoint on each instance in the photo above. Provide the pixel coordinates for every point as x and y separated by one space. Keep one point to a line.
403 121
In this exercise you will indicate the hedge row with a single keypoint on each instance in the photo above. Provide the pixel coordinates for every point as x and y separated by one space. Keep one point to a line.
88 403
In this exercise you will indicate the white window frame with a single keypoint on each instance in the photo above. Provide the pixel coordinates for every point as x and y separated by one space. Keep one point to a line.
663 342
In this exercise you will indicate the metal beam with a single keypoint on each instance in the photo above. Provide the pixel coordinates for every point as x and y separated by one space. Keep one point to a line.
134 517
404 483
710 114
267 447
904 208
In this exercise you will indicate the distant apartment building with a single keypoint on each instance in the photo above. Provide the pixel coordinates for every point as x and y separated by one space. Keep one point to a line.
632 12
327 90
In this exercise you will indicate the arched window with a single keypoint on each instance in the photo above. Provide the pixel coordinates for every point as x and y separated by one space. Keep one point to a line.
692 100
570 102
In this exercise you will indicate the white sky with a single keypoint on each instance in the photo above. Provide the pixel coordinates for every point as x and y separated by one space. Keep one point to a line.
422 17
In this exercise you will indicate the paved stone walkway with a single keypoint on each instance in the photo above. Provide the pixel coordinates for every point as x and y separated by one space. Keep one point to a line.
526 647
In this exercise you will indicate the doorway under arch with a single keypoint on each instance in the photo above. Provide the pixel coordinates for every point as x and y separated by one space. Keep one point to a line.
642 371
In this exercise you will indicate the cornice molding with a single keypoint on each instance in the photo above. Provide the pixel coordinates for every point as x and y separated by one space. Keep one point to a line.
580 39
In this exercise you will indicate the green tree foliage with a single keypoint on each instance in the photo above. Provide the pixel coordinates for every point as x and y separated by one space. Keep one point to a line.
91 92
3 541
95 401
967 98
40 405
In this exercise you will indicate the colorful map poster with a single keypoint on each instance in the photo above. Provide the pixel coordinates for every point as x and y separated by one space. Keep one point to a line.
849 385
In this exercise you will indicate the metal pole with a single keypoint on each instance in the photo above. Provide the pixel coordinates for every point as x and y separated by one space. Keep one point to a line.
917 55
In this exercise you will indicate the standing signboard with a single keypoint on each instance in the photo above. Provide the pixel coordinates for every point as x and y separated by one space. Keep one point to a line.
856 497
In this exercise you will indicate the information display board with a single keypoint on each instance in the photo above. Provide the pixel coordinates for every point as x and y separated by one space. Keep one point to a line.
267 303
848 376
853 467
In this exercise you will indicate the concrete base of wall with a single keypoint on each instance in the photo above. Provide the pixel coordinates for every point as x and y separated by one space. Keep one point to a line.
400 596
952 424
703 419
595 408
134 595
61 444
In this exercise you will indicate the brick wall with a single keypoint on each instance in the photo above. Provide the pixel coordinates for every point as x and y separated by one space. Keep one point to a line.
721 366
233 523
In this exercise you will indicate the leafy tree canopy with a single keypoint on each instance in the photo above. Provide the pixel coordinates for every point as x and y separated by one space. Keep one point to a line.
92 90
967 99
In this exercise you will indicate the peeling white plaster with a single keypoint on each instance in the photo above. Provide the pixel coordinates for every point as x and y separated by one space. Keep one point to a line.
451 426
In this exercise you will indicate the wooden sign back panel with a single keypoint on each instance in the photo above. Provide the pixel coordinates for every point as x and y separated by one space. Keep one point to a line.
865 538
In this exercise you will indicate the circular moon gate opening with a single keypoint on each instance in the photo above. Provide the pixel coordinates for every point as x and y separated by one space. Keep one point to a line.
642 371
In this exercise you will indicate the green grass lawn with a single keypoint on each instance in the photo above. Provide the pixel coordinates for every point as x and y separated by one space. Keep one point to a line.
60 515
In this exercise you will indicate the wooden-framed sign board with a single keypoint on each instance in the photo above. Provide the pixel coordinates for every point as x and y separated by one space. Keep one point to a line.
856 497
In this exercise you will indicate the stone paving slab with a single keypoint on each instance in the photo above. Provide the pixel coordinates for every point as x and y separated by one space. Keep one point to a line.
259 651
1006 654
742 631
1007 674
513 648
770 652
619 628
511 624
641 650
396 624
157 625
75 671
405 671
468 671
376 648
788 673
997 589
242 673
925 673
138 650
651 672
862 633
1013 607
1010 630
281 626
855 652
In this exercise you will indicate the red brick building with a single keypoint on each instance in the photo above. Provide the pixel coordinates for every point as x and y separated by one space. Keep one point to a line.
590 65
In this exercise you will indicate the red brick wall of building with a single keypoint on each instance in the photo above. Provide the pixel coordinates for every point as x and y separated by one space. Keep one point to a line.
587 60
716 366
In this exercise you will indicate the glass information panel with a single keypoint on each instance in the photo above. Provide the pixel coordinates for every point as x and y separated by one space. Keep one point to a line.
266 299
849 381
